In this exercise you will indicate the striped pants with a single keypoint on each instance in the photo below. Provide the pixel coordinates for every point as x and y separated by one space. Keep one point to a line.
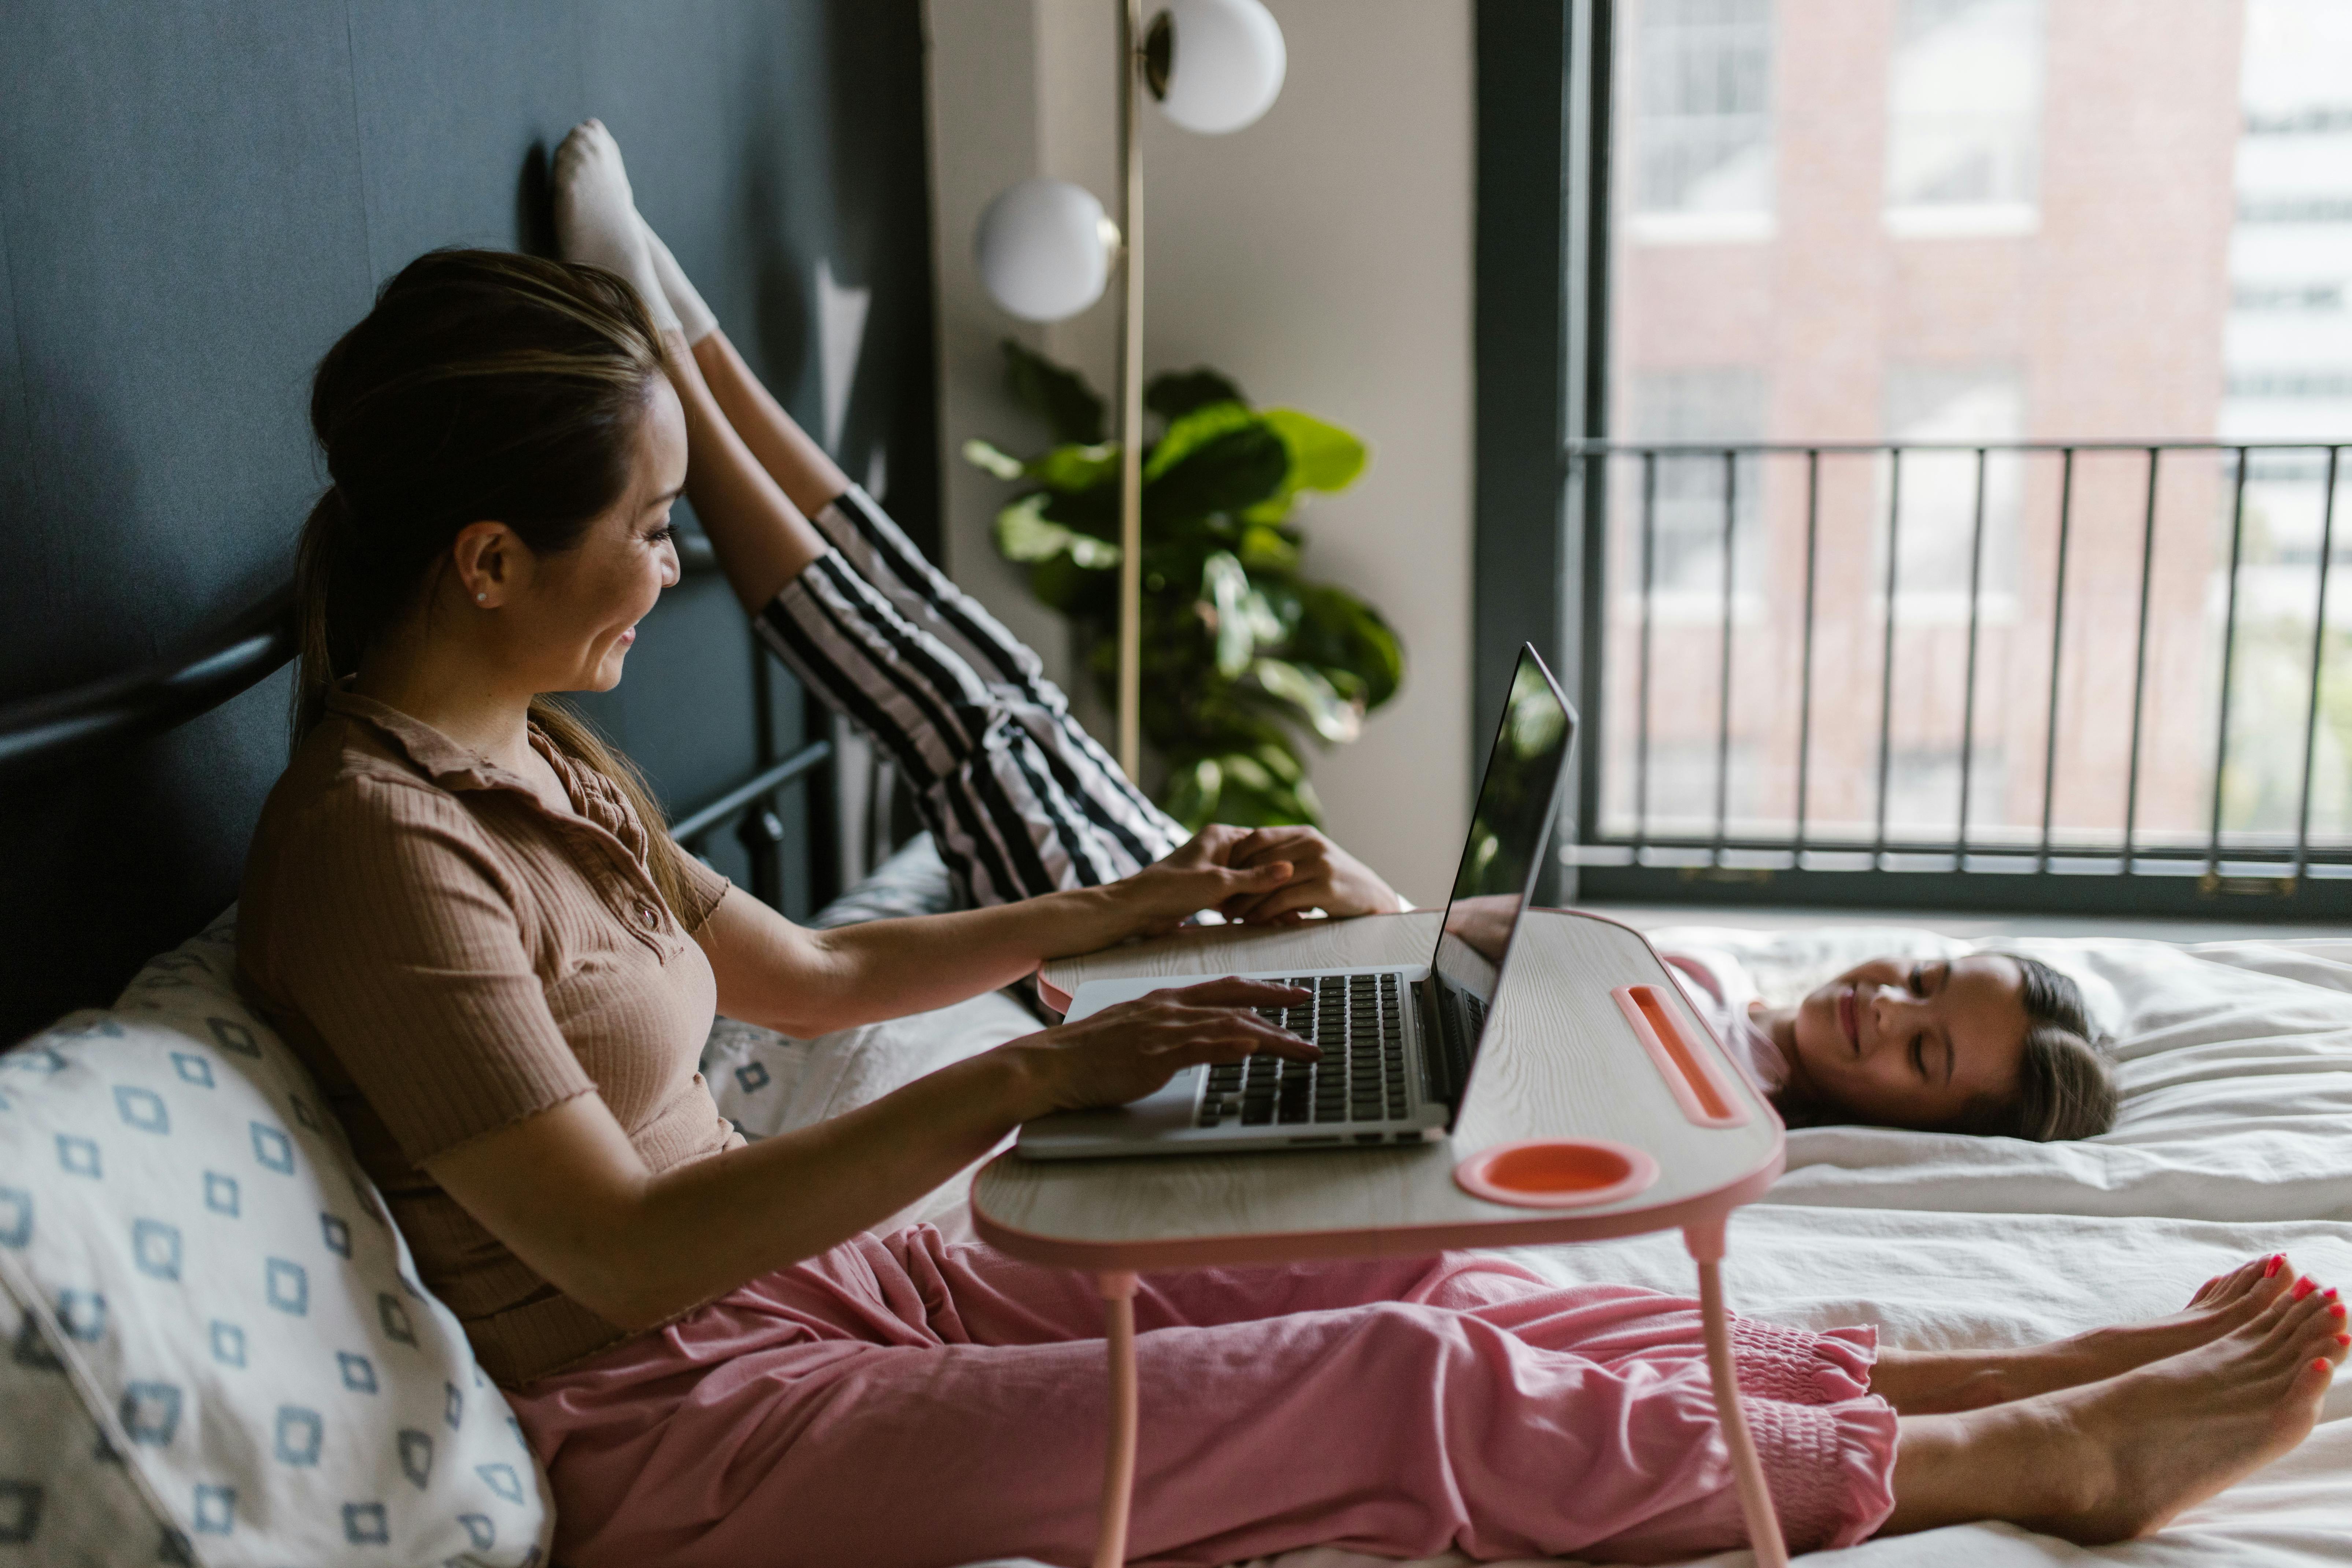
1019 800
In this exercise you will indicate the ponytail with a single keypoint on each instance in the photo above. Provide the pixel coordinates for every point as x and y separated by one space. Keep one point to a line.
322 558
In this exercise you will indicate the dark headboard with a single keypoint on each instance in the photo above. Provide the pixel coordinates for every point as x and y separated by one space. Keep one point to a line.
195 200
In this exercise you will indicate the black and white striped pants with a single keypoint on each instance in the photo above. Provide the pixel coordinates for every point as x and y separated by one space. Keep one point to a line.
1019 800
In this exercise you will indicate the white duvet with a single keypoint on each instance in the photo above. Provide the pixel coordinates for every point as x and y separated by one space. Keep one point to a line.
2235 1139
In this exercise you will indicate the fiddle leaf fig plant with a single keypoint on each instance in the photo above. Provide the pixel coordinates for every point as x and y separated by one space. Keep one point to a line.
1243 656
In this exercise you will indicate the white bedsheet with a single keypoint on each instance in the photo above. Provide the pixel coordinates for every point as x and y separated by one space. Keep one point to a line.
2235 1139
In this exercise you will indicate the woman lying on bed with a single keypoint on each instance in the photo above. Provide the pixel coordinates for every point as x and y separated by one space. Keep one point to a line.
461 910
1987 1043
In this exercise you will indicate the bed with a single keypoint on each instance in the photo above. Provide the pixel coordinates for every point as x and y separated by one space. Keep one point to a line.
2235 1139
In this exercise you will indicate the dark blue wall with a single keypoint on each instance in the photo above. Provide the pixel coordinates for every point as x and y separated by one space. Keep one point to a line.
195 199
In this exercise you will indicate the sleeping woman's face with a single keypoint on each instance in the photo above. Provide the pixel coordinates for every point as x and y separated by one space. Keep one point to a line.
1910 1043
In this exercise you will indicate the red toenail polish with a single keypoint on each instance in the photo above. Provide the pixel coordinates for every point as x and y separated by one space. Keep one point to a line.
2302 1287
2271 1267
2320 1366
2335 1311
2344 1339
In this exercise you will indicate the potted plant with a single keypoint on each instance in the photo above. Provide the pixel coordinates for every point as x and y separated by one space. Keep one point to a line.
1241 654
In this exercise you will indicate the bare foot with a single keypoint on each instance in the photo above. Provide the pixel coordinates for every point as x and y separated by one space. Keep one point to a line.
1925 1383
2222 1305
2110 1461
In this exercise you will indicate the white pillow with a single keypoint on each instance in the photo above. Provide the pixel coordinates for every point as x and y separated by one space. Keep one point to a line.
767 1083
913 881
187 1246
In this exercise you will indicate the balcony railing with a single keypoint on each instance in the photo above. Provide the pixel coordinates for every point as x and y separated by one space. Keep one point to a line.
2093 676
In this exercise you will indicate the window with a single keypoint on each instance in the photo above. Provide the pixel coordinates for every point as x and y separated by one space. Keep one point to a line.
1686 541
1682 787
1932 402
2288 342
1702 144
1911 261
1964 110
1923 791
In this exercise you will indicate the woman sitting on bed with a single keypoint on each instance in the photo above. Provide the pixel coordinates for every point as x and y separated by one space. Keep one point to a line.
463 913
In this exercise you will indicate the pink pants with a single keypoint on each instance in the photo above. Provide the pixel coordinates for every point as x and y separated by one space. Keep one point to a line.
903 1402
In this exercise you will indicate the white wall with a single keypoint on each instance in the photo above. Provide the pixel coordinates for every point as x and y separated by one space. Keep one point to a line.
1322 258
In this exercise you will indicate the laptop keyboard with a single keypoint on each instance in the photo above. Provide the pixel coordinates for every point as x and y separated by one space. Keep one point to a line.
1359 1021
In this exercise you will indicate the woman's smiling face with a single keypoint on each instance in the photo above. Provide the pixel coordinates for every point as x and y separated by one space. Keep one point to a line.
570 626
1904 1043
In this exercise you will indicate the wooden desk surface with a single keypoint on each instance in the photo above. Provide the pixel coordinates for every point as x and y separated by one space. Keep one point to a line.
1558 1060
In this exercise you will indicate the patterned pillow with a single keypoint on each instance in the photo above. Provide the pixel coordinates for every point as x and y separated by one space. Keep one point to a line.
215 1349
912 881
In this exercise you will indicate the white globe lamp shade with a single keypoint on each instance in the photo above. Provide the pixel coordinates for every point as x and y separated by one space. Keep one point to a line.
1224 63
1043 248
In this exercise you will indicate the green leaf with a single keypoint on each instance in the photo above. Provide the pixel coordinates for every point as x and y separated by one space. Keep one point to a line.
1222 474
1094 512
1194 430
1227 589
1193 791
1071 409
1322 456
1281 762
1265 549
1072 467
1331 715
1265 623
993 459
1061 584
1025 534
1173 394
1337 631
1253 795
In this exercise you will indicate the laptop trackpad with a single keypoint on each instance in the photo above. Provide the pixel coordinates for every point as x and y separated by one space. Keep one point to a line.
1166 1109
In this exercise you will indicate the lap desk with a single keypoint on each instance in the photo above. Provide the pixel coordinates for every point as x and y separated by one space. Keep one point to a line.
1600 1106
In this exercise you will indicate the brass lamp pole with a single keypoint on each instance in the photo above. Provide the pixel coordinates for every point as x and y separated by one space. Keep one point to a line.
1132 65
1044 247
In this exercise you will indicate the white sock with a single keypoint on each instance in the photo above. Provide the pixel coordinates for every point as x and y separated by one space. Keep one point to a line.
596 215
694 317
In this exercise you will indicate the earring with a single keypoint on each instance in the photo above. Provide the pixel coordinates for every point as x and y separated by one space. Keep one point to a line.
481 598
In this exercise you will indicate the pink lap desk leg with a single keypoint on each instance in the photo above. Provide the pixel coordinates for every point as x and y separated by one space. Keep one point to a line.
1706 1243
1118 1288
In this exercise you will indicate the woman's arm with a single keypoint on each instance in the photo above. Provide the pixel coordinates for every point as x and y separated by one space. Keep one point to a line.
799 981
566 1192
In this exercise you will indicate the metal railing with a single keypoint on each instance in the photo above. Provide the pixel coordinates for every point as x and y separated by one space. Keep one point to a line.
2030 853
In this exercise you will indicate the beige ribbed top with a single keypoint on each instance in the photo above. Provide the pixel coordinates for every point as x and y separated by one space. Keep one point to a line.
451 954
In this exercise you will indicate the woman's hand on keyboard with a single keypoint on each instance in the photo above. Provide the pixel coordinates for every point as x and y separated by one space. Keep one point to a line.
1126 1051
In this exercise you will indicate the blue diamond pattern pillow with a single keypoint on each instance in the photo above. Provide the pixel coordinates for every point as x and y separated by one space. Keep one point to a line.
215 1351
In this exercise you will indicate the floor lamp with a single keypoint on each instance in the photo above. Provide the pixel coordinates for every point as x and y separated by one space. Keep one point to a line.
1045 248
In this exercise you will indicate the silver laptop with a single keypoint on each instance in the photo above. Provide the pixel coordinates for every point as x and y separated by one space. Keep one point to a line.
1398 1043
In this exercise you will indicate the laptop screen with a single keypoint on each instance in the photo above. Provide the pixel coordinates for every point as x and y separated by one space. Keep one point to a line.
1510 828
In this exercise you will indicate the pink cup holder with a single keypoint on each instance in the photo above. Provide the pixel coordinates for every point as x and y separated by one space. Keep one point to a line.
1557 1172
